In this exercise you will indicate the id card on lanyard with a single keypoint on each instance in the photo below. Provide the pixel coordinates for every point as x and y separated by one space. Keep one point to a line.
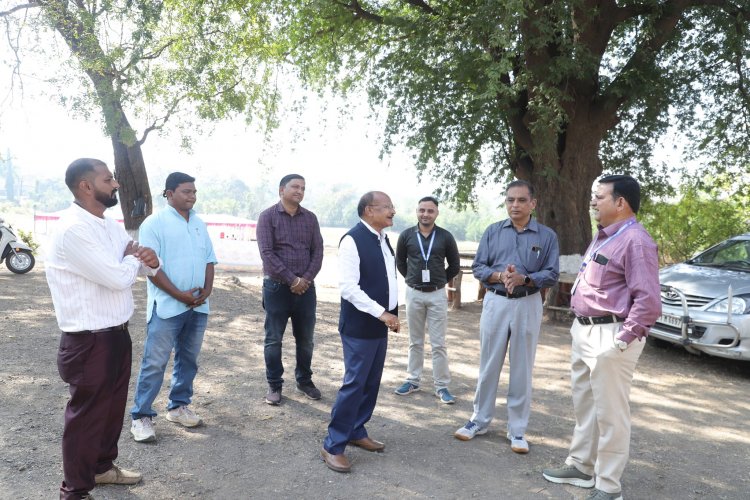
426 257
592 255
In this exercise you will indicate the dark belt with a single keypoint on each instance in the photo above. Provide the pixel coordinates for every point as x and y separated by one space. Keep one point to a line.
427 288
117 328
514 295
599 320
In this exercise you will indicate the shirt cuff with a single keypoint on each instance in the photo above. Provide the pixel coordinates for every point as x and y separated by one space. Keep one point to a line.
151 271
626 336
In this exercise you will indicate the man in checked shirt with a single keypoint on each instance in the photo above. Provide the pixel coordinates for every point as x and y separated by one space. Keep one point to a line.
291 248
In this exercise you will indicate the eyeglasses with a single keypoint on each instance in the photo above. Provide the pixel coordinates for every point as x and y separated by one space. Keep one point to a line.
387 207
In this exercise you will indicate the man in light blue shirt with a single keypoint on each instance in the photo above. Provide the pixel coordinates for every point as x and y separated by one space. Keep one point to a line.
177 306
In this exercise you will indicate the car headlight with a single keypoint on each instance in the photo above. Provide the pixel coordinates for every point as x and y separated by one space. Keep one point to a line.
740 305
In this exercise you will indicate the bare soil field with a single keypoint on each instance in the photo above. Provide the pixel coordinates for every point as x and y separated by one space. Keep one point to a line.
690 416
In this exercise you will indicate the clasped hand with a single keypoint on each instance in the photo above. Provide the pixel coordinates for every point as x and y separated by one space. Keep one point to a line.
144 254
299 285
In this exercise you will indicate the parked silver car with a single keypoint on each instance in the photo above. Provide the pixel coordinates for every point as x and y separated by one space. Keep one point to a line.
706 301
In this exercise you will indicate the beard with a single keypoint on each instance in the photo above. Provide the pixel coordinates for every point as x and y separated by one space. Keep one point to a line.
108 200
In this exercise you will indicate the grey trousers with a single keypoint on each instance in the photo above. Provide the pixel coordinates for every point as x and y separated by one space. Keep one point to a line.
427 309
505 323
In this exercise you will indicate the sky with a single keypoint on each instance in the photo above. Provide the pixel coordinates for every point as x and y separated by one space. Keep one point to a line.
322 145
43 138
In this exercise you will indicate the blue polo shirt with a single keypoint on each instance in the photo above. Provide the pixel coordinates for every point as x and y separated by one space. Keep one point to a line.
184 249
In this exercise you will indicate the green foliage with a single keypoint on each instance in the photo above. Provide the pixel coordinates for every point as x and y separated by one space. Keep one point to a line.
482 91
27 238
700 218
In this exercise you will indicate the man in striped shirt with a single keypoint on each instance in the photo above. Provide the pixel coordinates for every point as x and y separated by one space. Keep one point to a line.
91 266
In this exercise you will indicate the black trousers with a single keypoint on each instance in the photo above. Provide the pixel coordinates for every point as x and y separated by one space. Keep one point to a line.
97 367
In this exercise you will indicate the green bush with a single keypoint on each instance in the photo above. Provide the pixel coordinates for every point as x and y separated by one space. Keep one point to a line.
697 221
28 239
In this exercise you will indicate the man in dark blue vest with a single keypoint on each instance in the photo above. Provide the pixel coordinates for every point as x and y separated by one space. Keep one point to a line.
369 308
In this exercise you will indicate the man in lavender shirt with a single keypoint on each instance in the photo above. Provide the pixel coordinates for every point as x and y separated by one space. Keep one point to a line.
291 248
616 299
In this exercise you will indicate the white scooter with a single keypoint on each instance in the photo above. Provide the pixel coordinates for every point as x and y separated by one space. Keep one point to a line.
17 255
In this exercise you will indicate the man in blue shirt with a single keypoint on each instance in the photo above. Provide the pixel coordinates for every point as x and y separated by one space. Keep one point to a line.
516 258
177 306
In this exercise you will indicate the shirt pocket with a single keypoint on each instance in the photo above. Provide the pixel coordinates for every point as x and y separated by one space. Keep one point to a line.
595 273
532 261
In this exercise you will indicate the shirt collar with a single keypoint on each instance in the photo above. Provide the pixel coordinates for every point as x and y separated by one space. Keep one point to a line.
533 225
613 228
379 235
174 211
280 208
82 212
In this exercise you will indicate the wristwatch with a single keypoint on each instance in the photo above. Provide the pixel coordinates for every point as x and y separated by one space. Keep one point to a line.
526 280
621 344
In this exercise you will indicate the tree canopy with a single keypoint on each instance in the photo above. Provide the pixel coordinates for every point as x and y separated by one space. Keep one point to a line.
147 62
551 92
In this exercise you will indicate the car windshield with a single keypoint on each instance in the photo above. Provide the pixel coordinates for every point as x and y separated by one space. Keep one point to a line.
730 254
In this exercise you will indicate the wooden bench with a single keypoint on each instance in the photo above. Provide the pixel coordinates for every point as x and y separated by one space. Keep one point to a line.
454 286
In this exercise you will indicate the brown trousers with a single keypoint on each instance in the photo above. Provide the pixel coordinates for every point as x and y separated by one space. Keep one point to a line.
97 367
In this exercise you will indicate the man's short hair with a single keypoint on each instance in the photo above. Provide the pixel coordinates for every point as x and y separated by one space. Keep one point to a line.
366 199
78 170
289 178
429 198
175 179
521 183
624 186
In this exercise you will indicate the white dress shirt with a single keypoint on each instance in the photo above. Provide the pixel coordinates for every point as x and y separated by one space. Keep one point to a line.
348 258
88 277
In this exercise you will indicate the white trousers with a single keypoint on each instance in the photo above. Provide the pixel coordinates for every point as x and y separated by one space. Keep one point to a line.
430 310
601 376
515 323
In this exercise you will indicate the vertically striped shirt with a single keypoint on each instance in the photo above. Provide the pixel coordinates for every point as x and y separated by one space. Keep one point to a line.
88 277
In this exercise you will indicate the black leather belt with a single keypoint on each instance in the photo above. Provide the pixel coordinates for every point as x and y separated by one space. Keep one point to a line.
427 288
599 320
514 295
117 328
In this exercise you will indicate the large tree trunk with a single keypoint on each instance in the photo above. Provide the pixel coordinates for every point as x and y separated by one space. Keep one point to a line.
135 193
78 28
562 174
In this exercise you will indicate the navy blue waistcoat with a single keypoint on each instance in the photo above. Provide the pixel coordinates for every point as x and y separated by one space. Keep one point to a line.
373 280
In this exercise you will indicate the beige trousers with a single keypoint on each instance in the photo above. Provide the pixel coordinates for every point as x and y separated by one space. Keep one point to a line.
601 376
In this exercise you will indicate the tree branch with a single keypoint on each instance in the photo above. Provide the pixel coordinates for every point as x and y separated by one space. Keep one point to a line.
634 10
159 123
421 5
360 13
31 4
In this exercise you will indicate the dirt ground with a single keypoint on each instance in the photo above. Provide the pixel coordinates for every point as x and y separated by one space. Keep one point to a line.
690 416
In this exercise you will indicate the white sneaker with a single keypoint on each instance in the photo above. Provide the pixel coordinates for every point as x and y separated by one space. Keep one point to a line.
468 431
184 416
142 430
518 444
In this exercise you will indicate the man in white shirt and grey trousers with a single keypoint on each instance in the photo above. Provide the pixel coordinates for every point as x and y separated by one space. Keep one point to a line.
91 266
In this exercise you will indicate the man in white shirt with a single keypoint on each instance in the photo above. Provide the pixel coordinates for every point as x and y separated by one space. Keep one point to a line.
369 308
91 266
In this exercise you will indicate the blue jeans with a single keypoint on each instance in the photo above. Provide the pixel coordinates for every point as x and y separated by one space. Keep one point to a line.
184 334
280 305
